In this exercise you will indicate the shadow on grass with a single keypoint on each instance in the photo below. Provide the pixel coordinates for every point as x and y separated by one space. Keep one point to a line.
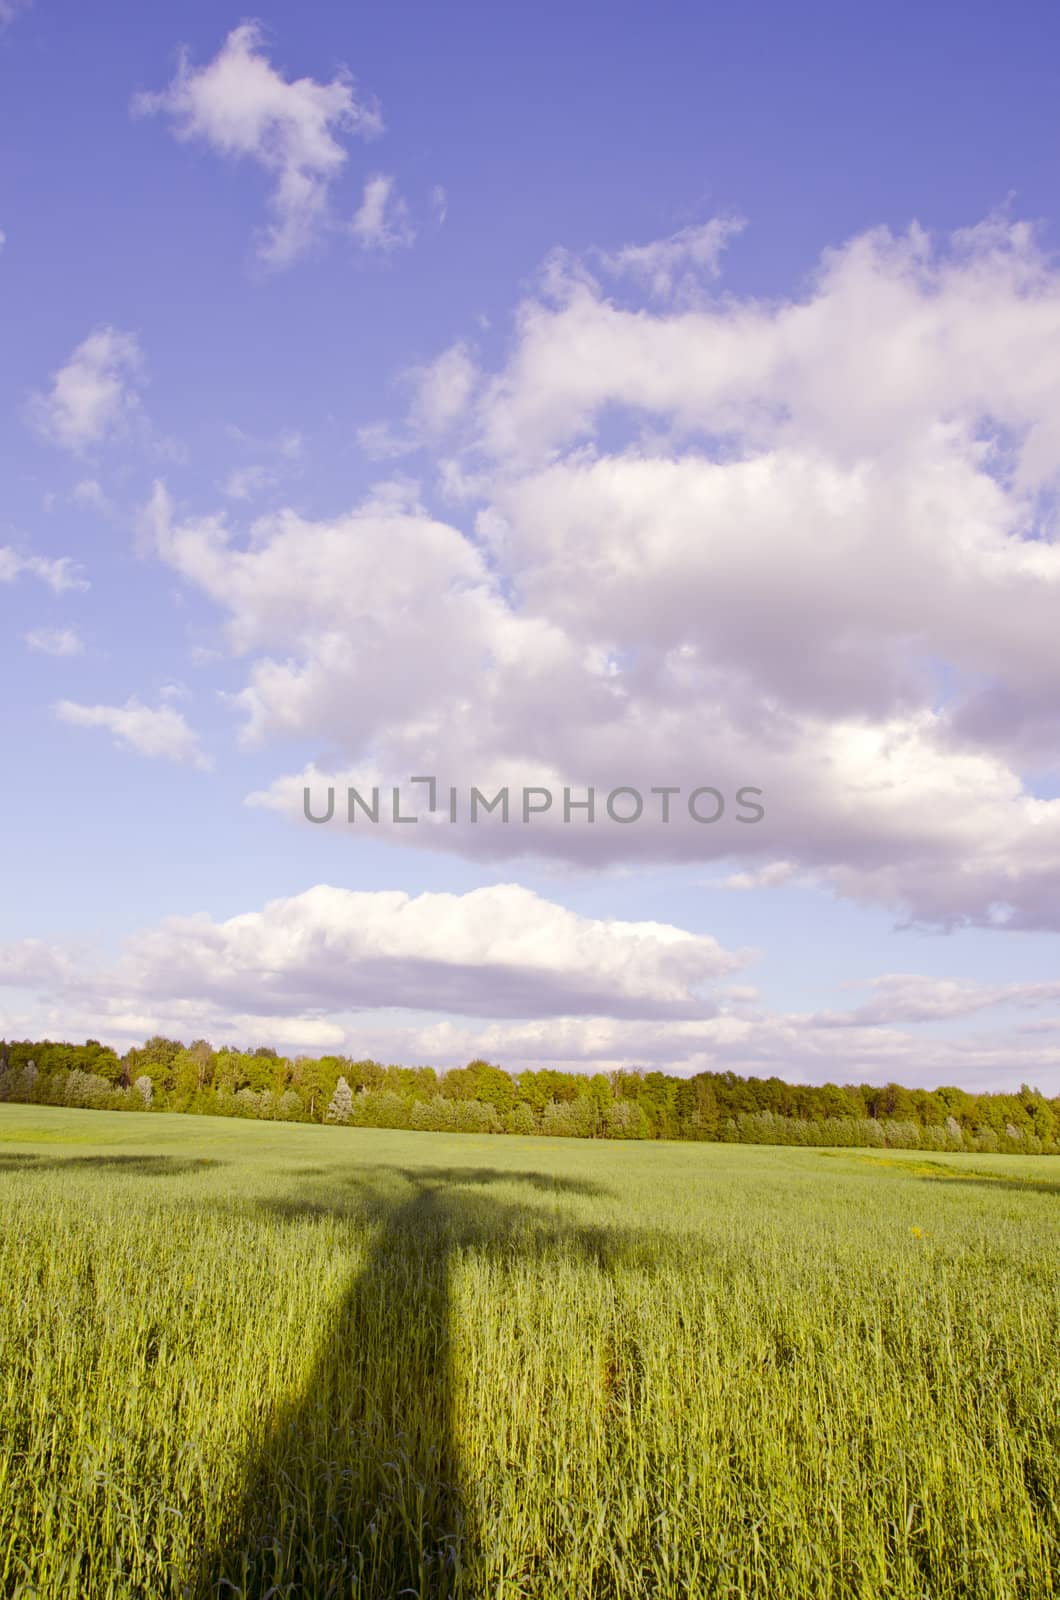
927 1171
1003 1183
356 1489
158 1166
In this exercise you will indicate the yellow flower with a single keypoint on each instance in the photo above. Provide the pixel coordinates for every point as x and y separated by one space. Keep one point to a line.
918 1233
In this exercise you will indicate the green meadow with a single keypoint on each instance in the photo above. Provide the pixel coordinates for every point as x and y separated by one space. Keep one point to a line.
269 1360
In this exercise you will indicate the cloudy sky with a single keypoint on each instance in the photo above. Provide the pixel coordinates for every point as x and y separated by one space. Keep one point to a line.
541 398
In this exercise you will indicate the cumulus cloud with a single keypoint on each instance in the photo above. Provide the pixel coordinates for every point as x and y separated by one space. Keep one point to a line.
519 980
93 396
241 106
38 964
159 732
386 584
54 641
381 221
501 951
900 340
806 546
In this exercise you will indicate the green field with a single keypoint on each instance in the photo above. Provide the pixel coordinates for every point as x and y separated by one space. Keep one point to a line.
253 1359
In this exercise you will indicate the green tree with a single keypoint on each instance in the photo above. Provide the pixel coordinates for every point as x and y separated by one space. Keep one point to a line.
316 1078
492 1085
697 1107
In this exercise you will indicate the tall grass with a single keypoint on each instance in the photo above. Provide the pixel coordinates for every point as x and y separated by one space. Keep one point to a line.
297 1361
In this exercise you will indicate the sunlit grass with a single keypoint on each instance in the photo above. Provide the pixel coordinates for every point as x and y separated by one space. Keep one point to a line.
326 1362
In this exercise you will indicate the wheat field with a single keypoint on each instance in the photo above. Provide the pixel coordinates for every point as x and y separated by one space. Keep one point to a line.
248 1360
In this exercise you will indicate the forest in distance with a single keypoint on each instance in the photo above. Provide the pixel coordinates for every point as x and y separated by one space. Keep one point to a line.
167 1075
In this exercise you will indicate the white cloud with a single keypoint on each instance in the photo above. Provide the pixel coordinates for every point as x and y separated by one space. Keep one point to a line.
243 107
9 10
796 1048
897 341
160 732
679 263
829 569
60 573
439 203
524 982
37 964
441 395
381 222
90 494
94 395
909 997
380 442
386 583
443 390
283 456
499 951
771 876
243 483
329 953
54 641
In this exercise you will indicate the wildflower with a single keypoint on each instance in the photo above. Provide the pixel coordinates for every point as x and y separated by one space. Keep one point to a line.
918 1233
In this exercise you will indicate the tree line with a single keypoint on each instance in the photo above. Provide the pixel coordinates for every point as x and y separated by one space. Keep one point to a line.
167 1075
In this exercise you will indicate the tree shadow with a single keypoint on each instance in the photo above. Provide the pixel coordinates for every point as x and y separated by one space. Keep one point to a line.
150 1165
928 1171
1001 1184
355 1489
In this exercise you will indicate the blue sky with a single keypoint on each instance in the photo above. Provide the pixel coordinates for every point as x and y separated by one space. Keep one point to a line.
594 416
